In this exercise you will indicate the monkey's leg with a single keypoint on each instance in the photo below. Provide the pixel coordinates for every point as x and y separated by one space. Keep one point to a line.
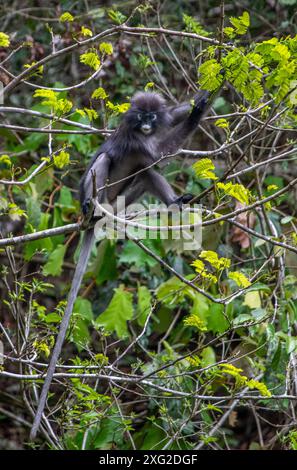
158 186
134 192
155 184
131 193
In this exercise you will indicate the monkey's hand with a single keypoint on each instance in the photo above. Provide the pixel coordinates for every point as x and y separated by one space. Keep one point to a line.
200 102
86 206
88 212
184 199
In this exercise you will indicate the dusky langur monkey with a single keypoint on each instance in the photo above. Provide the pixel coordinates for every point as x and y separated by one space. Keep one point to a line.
149 129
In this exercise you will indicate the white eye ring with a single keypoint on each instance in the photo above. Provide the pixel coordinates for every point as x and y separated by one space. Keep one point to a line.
139 116
154 117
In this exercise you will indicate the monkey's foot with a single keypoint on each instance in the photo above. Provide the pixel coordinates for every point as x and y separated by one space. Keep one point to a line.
184 199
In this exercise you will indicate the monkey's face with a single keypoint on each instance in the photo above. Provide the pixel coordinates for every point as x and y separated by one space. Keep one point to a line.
147 122
143 121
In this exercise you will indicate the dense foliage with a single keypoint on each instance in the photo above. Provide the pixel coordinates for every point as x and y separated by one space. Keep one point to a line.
167 349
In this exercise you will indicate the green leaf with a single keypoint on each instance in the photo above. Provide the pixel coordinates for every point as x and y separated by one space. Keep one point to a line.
79 332
83 308
154 436
291 344
210 77
65 198
41 244
104 267
116 16
238 191
132 254
240 279
222 123
106 48
208 357
243 318
214 260
217 321
81 319
52 318
193 26
255 384
99 94
66 17
194 320
241 23
86 31
105 436
117 313
287 219
61 159
199 311
144 304
4 40
91 59
118 108
172 292
53 267
33 211
204 169
252 299
51 98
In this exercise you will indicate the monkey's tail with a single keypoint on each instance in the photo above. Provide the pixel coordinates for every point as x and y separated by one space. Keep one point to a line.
80 269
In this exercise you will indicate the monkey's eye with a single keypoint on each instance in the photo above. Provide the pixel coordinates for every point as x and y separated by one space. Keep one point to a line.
153 117
139 116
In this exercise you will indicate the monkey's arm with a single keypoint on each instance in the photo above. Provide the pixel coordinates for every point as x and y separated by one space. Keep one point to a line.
176 136
179 113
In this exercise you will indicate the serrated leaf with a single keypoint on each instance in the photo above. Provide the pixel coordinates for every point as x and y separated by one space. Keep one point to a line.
204 169
144 304
210 77
91 59
120 309
53 267
240 279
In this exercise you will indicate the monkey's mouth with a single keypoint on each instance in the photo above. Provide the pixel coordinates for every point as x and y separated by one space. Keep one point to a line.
146 129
